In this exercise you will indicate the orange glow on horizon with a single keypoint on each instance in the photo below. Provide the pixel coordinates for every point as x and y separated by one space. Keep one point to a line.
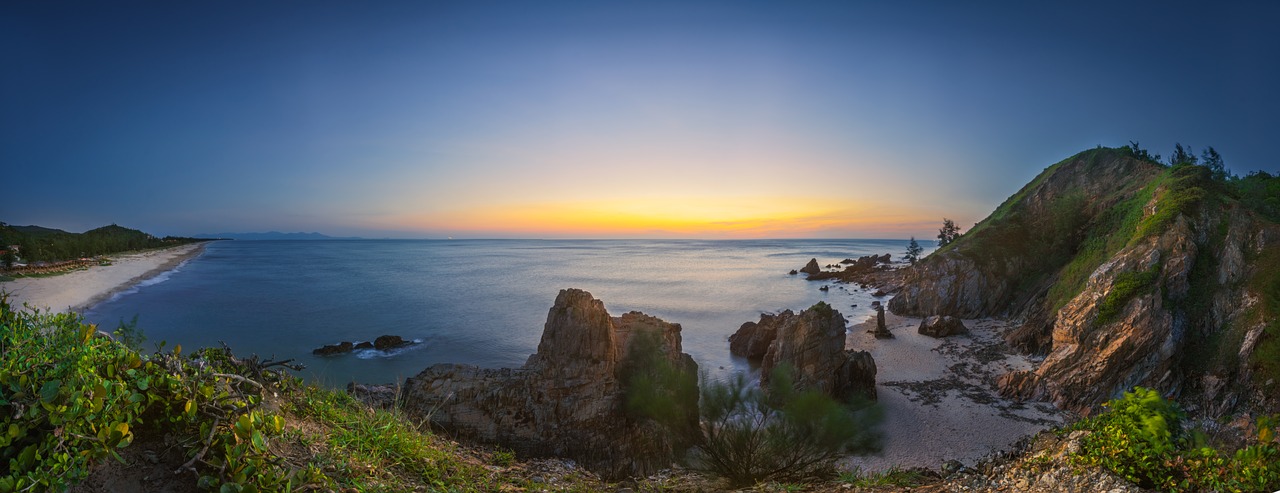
771 217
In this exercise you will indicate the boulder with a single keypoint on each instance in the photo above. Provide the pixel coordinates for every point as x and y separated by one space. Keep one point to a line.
569 399
364 345
856 377
332 349
811 267
376 396
940 326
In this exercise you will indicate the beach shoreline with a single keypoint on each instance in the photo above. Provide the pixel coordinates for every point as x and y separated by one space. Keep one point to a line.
80 290
939 395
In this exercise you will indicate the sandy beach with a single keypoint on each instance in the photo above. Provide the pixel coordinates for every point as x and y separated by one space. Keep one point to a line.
81 289
939 395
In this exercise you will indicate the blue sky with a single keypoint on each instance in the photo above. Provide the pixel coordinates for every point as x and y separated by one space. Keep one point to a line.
602 119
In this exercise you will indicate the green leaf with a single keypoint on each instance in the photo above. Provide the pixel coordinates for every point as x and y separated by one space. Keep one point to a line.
49 391
259 442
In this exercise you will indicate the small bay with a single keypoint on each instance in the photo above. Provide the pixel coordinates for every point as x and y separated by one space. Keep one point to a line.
480 302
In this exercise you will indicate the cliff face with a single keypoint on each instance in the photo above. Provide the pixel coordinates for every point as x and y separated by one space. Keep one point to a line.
569 399
1124 273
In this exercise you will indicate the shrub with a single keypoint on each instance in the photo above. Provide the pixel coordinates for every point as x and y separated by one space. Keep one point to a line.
1141 438
749 435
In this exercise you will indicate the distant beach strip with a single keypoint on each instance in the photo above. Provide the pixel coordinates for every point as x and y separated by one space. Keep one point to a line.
80 290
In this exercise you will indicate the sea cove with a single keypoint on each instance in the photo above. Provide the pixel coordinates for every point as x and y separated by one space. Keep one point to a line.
480 302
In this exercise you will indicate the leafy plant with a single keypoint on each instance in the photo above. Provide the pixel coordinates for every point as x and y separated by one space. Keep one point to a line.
1140 436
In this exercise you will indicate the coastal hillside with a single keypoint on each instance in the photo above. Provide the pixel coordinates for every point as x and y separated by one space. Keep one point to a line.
1124 272
40 244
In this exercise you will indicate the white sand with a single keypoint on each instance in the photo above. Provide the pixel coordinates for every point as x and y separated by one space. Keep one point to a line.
939 395
81 289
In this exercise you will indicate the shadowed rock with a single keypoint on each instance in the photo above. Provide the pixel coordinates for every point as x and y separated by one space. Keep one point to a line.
939 326
811 343
569 399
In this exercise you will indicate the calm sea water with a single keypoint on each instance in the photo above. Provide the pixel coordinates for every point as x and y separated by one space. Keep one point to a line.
480 302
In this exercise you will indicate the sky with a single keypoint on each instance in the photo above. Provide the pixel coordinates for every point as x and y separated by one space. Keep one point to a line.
603 119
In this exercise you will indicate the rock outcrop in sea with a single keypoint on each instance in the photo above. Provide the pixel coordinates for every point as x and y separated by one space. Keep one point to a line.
569 399
1125 273
811 343
812 267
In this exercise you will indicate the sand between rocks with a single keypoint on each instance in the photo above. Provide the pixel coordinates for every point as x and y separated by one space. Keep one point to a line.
939 395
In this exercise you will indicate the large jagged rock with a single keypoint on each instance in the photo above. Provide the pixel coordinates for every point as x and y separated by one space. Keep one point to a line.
752 339
811 343
568 399
811 267
1124 273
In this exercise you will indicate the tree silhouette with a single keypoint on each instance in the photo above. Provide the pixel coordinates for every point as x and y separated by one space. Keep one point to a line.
913 251
948 233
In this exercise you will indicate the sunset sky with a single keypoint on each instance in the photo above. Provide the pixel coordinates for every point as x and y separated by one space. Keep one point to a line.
603 119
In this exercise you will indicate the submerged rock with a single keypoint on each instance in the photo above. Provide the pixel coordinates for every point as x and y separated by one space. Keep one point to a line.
332 349
383 343
569 399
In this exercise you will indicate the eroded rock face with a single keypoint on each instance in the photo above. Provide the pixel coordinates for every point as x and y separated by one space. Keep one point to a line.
568 400
939 326
1148 337
752 339
1166 299
811 343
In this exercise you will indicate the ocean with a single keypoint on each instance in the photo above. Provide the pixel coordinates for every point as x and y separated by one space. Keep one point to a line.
480 302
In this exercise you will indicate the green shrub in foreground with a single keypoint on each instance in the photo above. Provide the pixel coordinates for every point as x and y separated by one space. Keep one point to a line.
69 399
749 436
1140 437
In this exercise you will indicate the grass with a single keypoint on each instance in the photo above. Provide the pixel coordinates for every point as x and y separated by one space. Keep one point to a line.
1126 286
1186 187
1266 283
1102 240
903 478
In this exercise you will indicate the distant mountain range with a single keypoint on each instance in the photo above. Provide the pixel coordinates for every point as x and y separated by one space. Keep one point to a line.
275 235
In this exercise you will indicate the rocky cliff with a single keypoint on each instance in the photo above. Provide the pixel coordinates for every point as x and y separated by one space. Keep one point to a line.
570 398
1124 272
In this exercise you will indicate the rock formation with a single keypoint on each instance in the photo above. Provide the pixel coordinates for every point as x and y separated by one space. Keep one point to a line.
1125 273
568 400
811 267
811 343
752 339
940 326
382 343
881 331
